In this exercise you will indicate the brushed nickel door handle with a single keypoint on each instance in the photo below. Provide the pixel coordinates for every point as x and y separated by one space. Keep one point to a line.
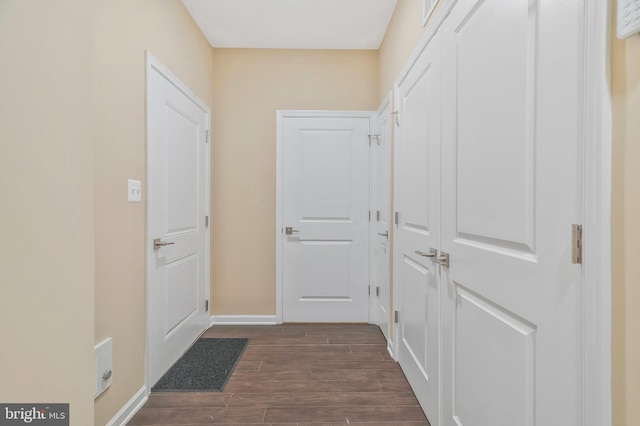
385 234
157 243
432 253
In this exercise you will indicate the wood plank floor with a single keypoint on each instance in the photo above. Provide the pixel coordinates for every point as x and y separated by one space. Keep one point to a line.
299 374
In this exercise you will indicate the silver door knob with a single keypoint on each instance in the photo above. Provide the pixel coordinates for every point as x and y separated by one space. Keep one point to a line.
385 234
432 253
289 230
157 243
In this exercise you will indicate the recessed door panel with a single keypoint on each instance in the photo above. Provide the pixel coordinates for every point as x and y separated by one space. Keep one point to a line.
501 392
326 174
182 170
182 291
495 138
319 282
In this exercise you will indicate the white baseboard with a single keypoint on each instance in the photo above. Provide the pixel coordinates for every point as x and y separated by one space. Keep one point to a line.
390 349
243 320
129 410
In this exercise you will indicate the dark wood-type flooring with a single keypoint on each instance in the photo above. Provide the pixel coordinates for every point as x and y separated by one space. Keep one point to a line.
299 374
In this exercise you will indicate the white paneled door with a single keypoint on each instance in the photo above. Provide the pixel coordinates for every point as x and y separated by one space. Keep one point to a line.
512 326
178 203
418 229
381 216
324 228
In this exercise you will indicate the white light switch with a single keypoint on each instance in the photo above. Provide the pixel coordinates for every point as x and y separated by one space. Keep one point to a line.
135 191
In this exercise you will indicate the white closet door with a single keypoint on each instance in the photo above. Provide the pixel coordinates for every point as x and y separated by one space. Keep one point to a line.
178 185
511 180
325 202
418 230
381 217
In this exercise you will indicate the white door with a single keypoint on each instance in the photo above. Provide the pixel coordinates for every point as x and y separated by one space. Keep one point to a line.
513 79
418 229
178 199
325 202
381 216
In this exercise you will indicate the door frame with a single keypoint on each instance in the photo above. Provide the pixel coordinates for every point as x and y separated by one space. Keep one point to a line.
153 64
280 116
596 209
374 192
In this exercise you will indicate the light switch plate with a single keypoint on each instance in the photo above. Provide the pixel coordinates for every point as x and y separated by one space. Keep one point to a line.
134 191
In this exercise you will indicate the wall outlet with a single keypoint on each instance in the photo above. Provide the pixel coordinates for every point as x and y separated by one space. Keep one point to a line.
134 191
104 366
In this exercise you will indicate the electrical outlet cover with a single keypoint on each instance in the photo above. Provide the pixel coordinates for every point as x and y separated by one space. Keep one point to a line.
104 366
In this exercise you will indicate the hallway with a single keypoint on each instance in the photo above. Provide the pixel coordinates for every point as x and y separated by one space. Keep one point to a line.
299 374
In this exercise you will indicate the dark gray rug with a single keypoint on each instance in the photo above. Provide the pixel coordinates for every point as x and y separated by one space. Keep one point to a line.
206 366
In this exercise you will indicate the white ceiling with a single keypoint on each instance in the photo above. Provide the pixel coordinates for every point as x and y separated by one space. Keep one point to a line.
293 24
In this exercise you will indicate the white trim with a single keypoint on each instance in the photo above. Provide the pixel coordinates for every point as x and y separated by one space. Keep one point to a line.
395 252
427 11
130 409
280 116
391 349
374 128
153 63
597 216
243 320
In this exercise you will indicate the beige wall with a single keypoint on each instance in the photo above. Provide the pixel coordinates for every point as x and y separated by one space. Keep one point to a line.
625 75
402 37
249 86
46 212
123 29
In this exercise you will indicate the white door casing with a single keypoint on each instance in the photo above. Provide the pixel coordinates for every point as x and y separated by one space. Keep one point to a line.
511 190
417 198
381 217
178 202
323 194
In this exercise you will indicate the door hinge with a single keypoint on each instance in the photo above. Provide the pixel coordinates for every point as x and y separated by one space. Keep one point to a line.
378 291
576 244
206 306
369 215
396 316
208 136
206 221
396 218
378 215
397 114
376 137
369 290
